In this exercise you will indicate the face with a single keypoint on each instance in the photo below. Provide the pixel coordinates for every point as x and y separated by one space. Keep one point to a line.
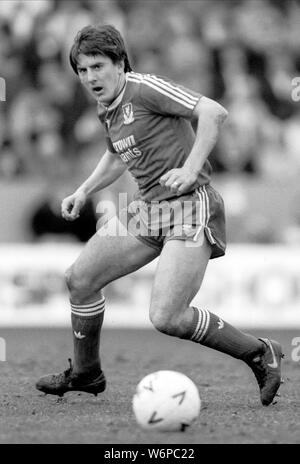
102 78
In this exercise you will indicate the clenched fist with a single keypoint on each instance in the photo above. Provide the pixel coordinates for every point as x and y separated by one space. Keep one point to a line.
179 180
72 205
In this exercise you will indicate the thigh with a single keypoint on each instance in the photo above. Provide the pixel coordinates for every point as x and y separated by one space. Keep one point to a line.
111 254
179 274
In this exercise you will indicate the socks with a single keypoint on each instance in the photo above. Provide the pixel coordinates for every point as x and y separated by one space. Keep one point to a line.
206 328
211 331
87 321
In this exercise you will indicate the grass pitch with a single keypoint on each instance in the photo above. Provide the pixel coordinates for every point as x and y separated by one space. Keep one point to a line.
231 411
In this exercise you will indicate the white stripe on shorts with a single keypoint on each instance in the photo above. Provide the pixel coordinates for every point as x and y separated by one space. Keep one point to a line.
204 213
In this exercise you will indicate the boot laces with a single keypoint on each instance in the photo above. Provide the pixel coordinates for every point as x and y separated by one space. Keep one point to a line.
64 376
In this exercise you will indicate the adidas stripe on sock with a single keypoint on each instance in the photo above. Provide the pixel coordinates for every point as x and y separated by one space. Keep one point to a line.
87 320
213 332
89 310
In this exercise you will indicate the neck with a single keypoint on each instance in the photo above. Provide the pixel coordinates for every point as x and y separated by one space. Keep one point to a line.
119 89
120 86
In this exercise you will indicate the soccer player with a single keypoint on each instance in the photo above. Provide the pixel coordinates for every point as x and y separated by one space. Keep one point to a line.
176 215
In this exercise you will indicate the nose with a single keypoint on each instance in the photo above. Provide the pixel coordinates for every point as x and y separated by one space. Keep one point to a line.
91 77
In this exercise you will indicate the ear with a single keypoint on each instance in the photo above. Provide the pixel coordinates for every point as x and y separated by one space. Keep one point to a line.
121 66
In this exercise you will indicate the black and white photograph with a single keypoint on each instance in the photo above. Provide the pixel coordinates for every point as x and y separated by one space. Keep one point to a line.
150 225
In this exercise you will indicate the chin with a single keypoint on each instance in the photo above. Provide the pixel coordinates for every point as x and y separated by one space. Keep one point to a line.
104 101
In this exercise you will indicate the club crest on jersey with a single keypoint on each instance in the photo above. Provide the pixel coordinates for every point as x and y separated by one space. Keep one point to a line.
128 113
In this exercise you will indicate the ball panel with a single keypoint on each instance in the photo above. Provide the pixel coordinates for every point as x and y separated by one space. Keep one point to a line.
166 401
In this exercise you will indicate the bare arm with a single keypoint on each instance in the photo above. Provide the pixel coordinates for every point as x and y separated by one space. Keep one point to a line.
208 116
108 170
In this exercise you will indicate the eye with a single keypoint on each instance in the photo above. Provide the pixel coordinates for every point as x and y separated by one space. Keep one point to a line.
81 70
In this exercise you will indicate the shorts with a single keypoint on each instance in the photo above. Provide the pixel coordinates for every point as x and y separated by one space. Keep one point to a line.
181 218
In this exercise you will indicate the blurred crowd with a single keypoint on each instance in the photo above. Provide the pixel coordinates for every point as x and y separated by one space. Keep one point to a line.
243 53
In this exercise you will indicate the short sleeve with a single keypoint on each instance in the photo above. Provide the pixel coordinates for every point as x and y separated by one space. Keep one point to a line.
163 96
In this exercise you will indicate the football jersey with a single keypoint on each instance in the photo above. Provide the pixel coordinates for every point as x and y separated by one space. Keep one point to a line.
148 126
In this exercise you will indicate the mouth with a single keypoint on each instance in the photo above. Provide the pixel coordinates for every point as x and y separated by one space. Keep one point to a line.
97 90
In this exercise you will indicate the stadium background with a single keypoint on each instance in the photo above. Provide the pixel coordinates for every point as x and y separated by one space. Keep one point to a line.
245 54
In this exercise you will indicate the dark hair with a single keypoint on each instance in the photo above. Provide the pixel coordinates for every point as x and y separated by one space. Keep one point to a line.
99 40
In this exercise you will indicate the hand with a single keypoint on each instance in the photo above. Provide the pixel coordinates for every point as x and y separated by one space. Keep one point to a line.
71 205
180 180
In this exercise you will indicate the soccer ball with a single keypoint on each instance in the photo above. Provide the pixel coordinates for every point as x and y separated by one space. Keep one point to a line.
166 401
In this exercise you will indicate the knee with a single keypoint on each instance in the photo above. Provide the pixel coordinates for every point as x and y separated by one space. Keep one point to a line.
69 278
164 322
79 285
